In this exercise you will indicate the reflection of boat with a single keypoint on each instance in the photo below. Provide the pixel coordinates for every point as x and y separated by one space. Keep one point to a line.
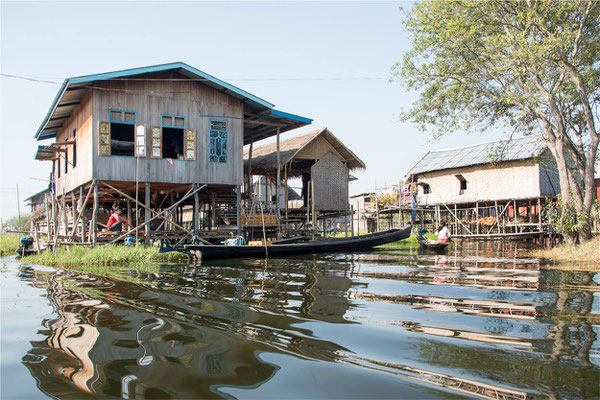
358 243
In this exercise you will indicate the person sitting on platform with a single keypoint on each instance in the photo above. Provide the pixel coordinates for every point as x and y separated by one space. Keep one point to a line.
115 221
443 233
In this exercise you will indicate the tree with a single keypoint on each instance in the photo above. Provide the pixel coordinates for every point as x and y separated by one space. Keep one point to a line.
530 65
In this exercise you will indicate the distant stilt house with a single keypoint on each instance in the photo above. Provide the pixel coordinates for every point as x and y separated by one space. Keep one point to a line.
491 189
320 161
161 143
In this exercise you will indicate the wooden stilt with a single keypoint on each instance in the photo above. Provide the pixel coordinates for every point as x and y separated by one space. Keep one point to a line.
147 215
94 227
160 215
48 230
238 209
80 213
196 216
277 183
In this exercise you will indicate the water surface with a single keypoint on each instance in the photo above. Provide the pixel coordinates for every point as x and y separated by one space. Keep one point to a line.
478 322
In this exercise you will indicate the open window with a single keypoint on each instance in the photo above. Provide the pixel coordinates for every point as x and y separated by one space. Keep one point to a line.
463 183
426 187
173 137
122 132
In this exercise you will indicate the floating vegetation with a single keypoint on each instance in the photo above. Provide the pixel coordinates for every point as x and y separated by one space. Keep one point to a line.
109 255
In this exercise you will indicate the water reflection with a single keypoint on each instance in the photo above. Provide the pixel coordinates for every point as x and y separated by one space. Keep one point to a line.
440 326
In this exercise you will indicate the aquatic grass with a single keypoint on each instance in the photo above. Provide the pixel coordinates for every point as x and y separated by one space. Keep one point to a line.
411 241
584 253
9 243
109 255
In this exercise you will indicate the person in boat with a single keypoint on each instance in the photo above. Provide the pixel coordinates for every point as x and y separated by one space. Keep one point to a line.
443 233
116 221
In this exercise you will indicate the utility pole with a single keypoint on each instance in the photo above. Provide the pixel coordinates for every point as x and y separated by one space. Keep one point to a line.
18 209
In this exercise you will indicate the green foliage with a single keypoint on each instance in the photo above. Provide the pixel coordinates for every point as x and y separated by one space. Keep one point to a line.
409 242
387 199
109 255
564 216
9 243
533 67
16 223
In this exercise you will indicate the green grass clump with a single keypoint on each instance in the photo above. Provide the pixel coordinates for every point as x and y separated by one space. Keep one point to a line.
411 241
108 255
586 252
9 243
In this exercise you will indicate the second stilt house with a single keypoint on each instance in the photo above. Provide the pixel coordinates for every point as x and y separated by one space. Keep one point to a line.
488 189
320 162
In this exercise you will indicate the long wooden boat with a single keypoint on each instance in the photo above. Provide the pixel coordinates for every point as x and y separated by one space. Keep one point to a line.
341 245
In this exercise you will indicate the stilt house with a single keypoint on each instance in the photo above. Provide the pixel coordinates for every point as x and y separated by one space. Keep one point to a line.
322 163
488 189
154 139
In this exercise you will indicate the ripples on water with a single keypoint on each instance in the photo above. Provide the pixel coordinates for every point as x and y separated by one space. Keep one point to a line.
480 322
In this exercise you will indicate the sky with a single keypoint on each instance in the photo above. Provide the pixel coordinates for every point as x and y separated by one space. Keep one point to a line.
328 61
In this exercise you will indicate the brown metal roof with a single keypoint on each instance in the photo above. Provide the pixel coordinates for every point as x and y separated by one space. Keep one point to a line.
264 158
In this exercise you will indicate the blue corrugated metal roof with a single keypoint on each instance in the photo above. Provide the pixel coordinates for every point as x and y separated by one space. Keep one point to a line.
191 72
503 150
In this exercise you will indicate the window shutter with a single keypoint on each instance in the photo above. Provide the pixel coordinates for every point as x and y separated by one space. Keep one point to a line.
190 144
104 138
140 140
156 142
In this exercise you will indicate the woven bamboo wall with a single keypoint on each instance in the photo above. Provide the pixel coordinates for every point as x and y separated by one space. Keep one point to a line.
330 177
489 182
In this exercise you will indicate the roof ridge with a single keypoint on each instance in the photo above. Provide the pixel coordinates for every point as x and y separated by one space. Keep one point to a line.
483 144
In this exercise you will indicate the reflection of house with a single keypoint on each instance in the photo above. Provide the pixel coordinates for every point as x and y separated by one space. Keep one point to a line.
169 135
491 188
320 160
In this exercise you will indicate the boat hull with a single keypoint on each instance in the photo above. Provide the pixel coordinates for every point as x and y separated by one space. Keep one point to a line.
342 245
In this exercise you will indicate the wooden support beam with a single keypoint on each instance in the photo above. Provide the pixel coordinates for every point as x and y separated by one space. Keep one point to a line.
94 227
191 192
277 182
149 210
80 213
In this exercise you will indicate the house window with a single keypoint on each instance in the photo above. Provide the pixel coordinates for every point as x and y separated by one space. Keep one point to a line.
218 142
75 147
426 188
122 132
463 183
172 136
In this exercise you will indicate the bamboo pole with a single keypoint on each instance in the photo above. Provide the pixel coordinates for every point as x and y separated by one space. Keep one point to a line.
277 188
94 227
147 214
314 218
250 183
80 213
285 187
196 212
457 219
149 210
49 234
83 223
159 215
